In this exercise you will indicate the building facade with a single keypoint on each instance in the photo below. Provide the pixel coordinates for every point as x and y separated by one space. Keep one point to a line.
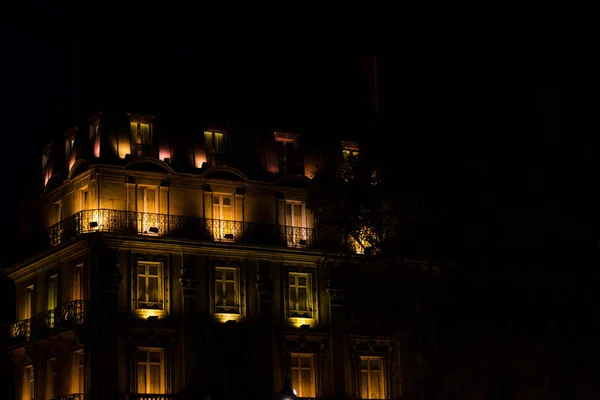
188 264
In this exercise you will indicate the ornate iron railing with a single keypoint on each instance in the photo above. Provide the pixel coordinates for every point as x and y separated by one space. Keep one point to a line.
151 224
42 322
139 396
20 330
74 311
73 396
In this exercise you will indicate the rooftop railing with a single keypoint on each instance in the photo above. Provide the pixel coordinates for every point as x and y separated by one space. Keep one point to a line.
195 228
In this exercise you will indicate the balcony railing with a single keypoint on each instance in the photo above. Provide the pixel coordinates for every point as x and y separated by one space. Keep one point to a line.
41 324
151 224
138 396
74 396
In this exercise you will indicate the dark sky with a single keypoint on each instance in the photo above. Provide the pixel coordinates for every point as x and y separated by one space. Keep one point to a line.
503 128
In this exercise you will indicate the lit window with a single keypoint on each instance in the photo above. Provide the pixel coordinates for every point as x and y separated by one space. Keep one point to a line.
150 290
141 133
295 223
215 147
52 300
303 374
78 374
150 371
300 295
350 152
147 207
223 227
287 152
372 378
29 383
227 290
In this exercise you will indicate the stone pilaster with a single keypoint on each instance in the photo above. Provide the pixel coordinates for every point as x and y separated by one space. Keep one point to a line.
103 342
190 335
338 345
265 337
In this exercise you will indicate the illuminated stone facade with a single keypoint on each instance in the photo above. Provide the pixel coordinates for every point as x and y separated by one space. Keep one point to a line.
187 264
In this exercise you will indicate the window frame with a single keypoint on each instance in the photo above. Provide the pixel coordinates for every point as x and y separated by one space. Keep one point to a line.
164 282
163 370
239 267
309 317
219 309
382 375
213 156
313 369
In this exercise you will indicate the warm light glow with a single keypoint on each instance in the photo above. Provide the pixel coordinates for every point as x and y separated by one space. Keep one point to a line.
200 158
71 161
163 153
225 318
97 145
362 243
298 322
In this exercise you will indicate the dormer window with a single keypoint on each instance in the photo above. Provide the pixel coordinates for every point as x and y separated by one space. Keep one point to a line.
350 152
141 135
214 142
288 143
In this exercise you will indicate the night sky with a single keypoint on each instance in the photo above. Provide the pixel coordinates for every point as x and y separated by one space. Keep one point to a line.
499 128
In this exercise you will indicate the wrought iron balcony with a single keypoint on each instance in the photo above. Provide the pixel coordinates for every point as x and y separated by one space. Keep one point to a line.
20 331
195 228
42 324
74 311
140 396
73 396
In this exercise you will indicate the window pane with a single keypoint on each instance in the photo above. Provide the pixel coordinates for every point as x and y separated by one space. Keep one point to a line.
153 289
216 199
150 201
302 300
294 361
208 141
375 389
229 275
141 269
142 289
230 294
226 201
364 385
295 381
297 215
153 270
154 356
145 134
293 299
219 142
292 279
288 214
306 386
141 376
301 281
154 379
134 129
227 216
305 362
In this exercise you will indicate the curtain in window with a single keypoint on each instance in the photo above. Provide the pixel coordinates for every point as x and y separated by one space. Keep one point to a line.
145 134
371 378
226 287
302 375
149 371
219 143
134 132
